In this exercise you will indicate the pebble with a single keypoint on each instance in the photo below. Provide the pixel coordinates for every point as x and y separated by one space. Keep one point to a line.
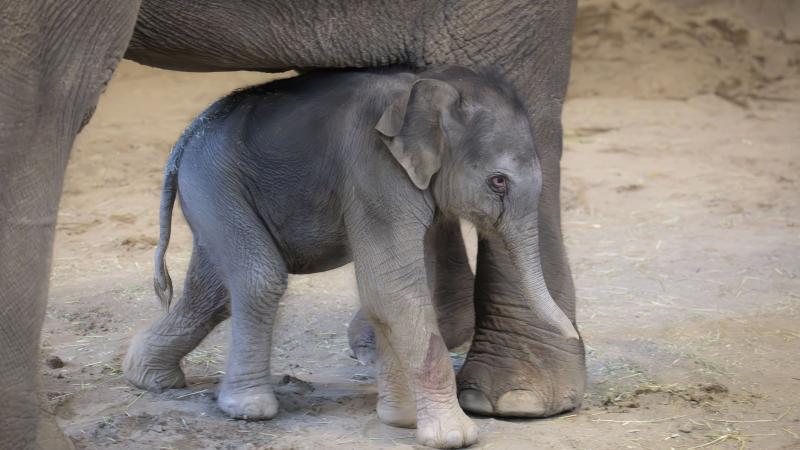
54 362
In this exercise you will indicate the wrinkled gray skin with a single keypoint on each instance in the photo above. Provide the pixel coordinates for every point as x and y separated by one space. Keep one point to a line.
307 174
57 56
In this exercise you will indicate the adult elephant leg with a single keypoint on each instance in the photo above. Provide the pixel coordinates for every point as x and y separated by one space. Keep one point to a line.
57 57
452 294
153 359
514 367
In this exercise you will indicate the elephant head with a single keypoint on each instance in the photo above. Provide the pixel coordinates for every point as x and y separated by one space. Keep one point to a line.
467 139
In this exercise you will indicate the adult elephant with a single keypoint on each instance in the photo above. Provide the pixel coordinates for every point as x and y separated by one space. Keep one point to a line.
57 55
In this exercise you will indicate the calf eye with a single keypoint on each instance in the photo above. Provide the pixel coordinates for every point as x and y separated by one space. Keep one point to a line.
498 183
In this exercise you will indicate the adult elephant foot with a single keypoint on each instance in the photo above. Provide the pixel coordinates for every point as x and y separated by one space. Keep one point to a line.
518 366
542 383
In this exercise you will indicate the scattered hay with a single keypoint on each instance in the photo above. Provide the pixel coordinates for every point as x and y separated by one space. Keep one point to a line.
134 401
207 358
702 393
729 435
777 419
626 422
113 369
202 391
697 394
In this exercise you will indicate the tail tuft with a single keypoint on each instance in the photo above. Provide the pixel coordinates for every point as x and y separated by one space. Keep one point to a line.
162 283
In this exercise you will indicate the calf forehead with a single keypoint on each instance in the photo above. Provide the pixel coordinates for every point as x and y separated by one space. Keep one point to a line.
491 135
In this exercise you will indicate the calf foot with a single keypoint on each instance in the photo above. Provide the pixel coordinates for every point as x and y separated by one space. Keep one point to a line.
151 366
257 403
446 429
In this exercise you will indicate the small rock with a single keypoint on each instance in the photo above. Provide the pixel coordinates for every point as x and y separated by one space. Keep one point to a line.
687 427
361 377
296 384
54 362
629 188
714 388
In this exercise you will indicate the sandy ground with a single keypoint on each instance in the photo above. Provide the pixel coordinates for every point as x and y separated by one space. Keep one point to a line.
682 218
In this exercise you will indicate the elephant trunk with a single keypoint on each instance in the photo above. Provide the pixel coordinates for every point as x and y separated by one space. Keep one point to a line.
522 242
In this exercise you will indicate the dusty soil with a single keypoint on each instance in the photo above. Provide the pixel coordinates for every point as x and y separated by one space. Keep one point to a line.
737 49
682 218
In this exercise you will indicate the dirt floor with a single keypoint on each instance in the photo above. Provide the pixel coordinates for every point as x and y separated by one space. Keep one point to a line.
681 214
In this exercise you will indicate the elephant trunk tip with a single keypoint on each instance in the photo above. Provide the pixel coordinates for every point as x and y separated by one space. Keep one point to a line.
568 331
558 320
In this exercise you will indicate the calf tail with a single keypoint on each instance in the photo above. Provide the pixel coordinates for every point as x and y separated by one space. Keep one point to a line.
161 280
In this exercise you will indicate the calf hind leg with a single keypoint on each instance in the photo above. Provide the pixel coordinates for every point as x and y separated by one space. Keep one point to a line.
153 359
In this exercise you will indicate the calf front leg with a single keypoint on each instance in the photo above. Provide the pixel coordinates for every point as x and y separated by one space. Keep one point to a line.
452 293
393 285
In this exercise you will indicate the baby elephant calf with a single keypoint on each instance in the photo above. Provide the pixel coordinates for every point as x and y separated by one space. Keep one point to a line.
307 174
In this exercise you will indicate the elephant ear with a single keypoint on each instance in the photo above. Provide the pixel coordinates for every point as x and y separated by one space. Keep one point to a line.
416 125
